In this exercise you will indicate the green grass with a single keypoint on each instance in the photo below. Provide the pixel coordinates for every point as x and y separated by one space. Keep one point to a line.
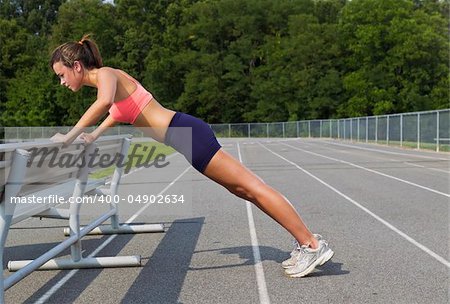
160 149
413 145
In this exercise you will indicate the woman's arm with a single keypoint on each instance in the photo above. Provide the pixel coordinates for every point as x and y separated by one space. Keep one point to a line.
91 137
106 85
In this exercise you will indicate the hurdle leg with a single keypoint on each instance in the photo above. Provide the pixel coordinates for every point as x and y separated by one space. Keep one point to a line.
47 261
115 227
12 188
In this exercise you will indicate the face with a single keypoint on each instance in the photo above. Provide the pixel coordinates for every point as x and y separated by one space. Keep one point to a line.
69 77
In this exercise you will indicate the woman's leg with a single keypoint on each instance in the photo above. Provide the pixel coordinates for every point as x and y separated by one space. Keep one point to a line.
230 173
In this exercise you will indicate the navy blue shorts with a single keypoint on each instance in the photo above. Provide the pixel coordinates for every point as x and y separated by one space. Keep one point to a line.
198 147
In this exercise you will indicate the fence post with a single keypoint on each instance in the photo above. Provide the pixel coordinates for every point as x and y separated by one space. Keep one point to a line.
344 129
401 130
418 130
339 129
309 128
367 129
376 129
331 129
320 129
437 131
229 130
351 129
357 129
387 130
297 129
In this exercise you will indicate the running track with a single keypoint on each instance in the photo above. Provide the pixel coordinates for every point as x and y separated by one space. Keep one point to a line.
385 212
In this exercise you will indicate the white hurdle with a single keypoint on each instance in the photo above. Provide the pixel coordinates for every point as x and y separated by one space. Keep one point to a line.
21 176
115 227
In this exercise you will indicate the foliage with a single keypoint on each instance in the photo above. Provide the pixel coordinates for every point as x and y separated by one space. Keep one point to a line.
234 60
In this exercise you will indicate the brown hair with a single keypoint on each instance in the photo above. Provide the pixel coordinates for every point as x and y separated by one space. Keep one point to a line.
85 51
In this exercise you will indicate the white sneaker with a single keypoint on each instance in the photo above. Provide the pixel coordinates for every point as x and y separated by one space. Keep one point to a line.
295 253
310 258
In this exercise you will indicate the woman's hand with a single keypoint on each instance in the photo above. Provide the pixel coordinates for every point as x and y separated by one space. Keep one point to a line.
65 140
59 138
88 138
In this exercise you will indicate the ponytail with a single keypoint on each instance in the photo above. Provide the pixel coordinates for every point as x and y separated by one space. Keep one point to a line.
85 51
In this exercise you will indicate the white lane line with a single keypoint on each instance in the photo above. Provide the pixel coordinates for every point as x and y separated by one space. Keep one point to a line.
44 298
390 159
387 152
387 224
370 170
131 219
428 168
260 278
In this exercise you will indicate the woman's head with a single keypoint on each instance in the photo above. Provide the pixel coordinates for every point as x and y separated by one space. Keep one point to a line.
70 59
84 51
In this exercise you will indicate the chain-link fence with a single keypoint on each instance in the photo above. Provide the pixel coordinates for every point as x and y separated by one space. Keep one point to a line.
421 130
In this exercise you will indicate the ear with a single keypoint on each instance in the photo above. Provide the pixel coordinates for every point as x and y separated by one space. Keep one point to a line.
77 66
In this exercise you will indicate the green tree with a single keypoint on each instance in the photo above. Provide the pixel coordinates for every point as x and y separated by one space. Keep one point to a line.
30 98
13 56
219 45
36 16
299 77
234 60
23 43
396 57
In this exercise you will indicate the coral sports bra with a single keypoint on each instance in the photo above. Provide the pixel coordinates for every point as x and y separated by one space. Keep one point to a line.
128 109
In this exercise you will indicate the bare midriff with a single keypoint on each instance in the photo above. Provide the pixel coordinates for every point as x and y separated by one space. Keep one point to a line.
154 120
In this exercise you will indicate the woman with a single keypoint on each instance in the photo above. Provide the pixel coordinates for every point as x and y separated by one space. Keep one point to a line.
79 64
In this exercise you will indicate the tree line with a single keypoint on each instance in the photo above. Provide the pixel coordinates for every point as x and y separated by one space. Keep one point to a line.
233 60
